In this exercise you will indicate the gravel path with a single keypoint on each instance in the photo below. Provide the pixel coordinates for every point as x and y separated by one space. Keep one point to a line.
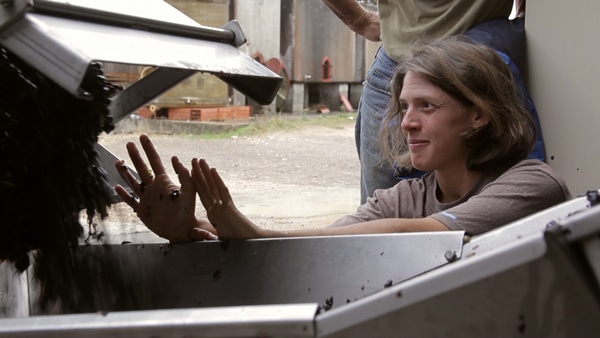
302 177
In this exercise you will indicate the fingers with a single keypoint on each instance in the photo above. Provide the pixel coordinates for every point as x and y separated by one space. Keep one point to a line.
201 185
209 185
128 177
203 181
152 154
186 182
146 175
127 198
210 180
146 172
182 172
220 185
198 234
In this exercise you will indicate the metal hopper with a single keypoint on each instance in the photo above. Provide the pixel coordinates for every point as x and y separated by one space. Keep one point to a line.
62 38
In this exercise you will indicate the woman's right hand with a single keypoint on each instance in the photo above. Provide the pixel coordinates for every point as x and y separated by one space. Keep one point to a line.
166 208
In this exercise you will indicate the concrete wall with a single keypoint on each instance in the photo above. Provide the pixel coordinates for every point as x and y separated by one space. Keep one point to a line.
563 70
318 34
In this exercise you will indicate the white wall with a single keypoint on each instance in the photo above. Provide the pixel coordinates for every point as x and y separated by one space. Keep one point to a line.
564 72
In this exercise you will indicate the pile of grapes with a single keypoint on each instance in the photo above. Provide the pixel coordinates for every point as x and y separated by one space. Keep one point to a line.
49 170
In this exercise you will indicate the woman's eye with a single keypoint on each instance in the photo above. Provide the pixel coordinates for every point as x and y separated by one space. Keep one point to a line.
427 106
403 107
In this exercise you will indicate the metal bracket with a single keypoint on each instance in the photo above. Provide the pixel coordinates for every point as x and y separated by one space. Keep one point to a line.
146 89
239 38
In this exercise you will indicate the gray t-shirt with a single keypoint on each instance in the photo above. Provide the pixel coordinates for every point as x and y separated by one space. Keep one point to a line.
406 22
497 199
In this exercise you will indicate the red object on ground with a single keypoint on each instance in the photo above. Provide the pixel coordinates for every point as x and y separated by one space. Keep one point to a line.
346 102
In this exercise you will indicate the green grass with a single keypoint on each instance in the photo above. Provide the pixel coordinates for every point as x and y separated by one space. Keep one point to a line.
267 123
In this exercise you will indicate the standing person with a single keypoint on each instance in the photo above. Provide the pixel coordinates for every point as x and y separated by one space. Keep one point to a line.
455 114
400 24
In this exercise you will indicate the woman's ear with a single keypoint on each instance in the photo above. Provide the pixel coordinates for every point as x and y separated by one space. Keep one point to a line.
478 118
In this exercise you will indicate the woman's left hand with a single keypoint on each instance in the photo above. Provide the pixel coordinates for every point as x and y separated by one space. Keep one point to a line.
229 222
164 207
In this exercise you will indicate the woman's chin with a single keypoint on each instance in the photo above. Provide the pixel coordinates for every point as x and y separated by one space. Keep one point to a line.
421 167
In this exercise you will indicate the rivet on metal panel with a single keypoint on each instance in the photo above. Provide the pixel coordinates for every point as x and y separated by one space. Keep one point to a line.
450 256
592 197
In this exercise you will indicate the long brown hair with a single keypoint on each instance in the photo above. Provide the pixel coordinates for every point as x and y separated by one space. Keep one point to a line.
475 75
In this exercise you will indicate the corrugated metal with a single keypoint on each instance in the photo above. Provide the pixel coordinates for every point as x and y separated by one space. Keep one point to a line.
312 34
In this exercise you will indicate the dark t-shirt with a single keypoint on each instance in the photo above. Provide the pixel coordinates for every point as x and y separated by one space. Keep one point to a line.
495 200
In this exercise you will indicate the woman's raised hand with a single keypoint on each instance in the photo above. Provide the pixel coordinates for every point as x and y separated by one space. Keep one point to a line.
222 213
164 207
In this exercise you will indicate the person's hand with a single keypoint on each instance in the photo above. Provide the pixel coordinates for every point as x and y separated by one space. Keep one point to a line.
360 20
222 213
165 208
368 26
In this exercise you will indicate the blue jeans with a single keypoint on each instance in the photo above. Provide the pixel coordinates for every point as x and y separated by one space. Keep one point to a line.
375 172
539 150
507 37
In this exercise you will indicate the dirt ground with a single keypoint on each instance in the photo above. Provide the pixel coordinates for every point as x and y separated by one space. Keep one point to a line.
304 176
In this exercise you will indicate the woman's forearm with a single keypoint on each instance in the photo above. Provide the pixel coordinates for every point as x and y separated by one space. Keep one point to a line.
349 11
356 17
381 226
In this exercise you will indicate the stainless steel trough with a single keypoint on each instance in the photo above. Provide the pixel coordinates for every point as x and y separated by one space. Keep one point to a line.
537 277
287 276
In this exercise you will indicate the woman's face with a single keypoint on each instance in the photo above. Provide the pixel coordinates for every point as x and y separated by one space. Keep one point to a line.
432 124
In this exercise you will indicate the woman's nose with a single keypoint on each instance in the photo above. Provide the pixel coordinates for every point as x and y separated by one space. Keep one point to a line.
408 120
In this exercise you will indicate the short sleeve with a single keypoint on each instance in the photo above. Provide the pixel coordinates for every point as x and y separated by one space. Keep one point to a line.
519 192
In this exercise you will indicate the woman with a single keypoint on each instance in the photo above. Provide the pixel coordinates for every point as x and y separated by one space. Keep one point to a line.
400 23
455 109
